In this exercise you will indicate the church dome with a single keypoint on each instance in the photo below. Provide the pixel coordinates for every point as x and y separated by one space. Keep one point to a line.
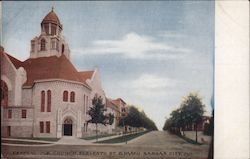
51 17
51 24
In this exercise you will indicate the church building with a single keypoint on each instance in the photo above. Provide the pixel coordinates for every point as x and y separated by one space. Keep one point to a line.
45 95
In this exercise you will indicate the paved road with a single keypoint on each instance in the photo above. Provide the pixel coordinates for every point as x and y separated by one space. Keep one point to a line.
153 145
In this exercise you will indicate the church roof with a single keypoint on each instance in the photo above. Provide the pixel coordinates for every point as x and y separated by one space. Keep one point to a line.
51 17
52 67
17 63
86 75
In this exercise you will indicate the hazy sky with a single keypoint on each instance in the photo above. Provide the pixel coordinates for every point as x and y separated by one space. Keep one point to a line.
149 53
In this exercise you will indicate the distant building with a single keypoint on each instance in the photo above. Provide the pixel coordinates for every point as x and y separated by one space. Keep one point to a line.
45 95
200 126
114 109
122 106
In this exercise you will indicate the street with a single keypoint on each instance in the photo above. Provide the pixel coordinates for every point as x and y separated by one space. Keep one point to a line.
155 144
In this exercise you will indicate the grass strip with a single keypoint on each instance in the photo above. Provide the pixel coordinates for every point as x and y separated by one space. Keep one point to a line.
39 138
22 142
123 138
189 140
99 136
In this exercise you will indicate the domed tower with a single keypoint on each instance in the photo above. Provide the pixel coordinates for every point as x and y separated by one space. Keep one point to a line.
51 24
51 41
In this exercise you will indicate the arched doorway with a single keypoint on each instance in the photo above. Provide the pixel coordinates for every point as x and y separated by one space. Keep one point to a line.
68 127
4 94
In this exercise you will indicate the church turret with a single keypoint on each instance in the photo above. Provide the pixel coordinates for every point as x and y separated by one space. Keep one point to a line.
51 24
50 42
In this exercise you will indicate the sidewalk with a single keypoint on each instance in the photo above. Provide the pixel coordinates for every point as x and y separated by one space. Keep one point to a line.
70 140
65 140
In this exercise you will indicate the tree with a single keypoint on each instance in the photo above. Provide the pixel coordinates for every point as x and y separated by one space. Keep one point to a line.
111 118
177 120
147 122
135 118
97 115
193 110
190 112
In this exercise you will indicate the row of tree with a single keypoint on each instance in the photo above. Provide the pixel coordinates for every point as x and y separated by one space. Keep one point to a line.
136 118
190 112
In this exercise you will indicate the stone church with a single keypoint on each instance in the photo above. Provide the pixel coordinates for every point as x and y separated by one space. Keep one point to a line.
45 95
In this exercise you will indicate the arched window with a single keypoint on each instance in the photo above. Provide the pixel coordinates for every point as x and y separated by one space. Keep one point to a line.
46 28
4 94
57 46
47 126
53 44
53 29
62 48
87 103
72 96
84 104
43 45
42 101
32 46
49 101
65 96
41 127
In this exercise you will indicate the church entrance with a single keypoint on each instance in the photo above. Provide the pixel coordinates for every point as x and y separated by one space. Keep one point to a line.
67 127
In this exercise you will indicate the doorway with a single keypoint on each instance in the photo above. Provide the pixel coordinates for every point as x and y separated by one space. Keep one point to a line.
67 127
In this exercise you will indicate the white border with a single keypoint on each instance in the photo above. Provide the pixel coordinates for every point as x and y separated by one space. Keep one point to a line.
231 80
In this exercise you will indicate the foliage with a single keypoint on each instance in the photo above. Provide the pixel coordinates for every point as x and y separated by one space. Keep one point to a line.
135 118
192 108
209 127
111 118
190 112
96 113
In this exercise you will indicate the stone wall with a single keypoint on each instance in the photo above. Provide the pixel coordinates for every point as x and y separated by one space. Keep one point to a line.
27 96
20 127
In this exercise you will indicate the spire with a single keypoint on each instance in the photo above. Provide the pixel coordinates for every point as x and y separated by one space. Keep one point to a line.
52 8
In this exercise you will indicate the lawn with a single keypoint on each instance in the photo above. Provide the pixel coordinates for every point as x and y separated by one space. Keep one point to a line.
22 142
191 141
123 138
99 136
39 138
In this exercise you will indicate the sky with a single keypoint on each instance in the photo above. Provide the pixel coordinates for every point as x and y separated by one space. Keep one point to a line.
149 53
